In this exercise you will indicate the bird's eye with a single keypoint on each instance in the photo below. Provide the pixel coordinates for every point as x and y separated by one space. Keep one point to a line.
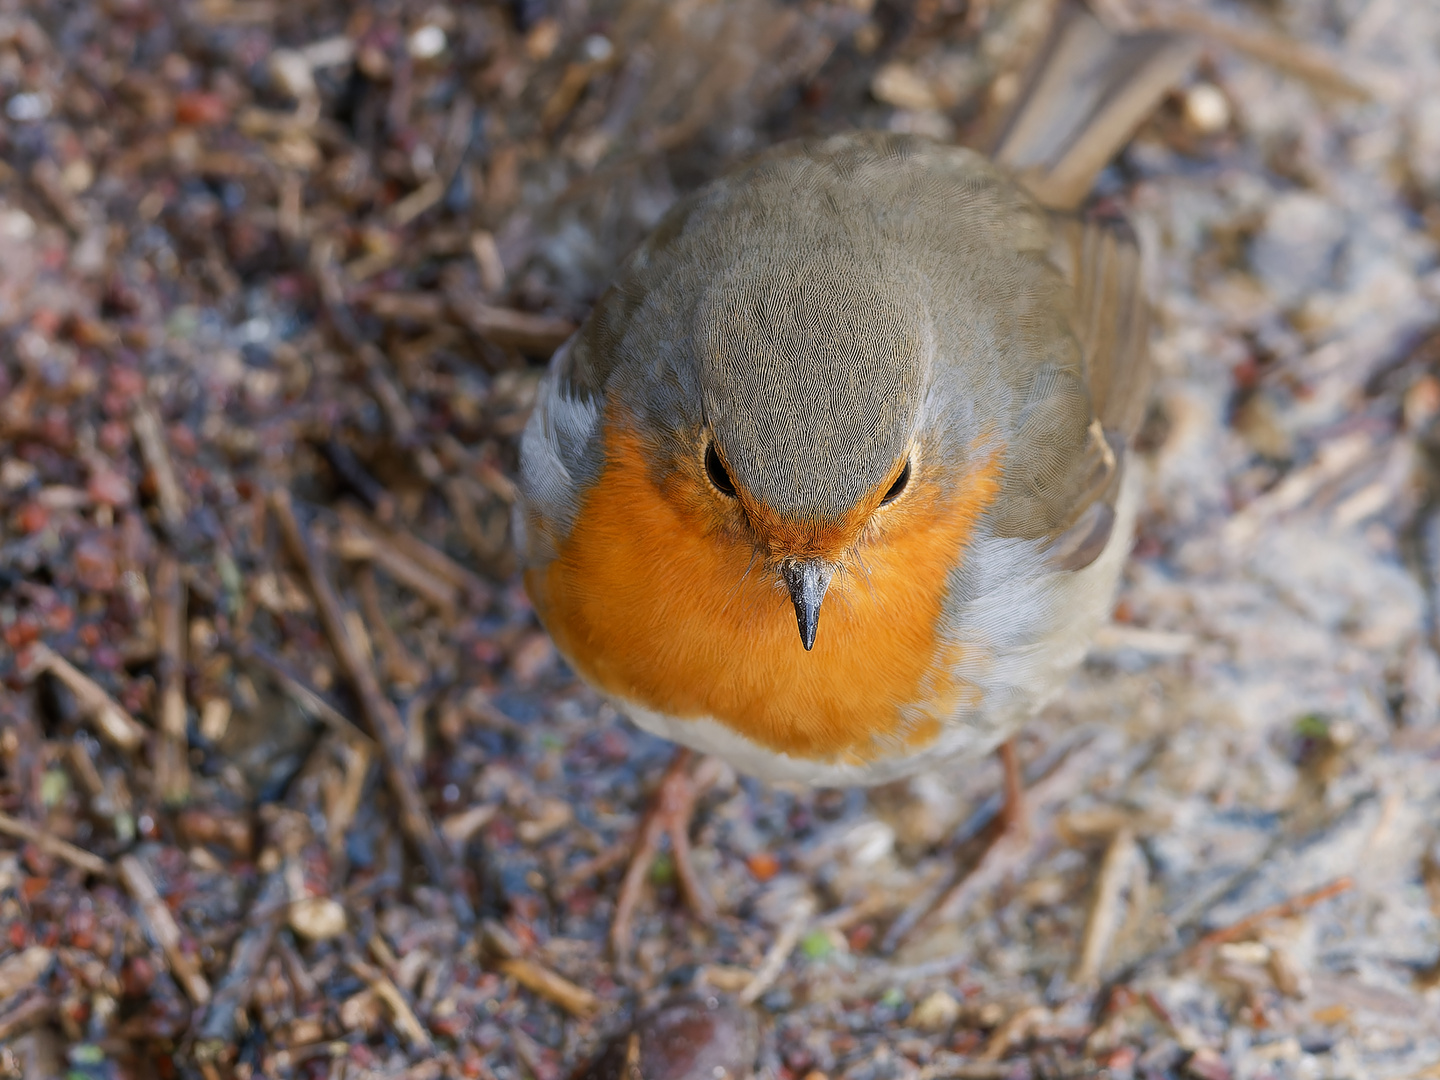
898 487
715 470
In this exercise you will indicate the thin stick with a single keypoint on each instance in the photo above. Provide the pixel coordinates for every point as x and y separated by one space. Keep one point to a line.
1015 1030
379 712
459 828
163 929
780 950
360 542
342 807
463 507
1320 69
950 1066
400 666
218 1028
1286 909
308 699
1013 813
397 411
111 721
431 559
1105 909
507 327
596 865
22 1018
405 1018
172 768
19 972
53 845
575 1000
151 438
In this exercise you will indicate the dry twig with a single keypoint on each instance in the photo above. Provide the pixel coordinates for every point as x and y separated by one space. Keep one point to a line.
307 698
1286 909
401 667
509 328
405 1018
61 849
361 541
111 721
37 1010
380 714
171 750
163 929
780 949
575 1000
1105 908
1322 71
151 437
218 1030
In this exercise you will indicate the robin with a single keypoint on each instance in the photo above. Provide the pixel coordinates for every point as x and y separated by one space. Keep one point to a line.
834 482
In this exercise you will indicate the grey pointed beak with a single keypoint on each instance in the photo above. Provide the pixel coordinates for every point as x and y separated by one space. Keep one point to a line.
807 580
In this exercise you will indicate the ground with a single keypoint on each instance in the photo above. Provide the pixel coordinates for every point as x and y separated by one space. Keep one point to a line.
293 784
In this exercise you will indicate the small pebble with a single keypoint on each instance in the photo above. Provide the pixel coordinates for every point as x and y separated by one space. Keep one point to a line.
936 1012
318 918
898 84
292 73
428 42
598 48
691 1039
28 108
1207 109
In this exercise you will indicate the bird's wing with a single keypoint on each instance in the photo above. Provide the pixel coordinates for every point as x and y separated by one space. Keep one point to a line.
1110 321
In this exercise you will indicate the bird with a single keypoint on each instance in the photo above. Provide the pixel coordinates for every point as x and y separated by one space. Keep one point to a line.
836 480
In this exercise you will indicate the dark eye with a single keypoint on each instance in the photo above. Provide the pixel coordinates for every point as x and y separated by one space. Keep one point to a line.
715 470
898 487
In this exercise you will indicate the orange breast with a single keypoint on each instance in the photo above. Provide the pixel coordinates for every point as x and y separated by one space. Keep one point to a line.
654 605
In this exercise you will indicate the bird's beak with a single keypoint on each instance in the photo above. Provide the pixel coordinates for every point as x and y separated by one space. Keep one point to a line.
807 580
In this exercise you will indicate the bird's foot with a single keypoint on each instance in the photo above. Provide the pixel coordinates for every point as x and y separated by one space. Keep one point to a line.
1007 852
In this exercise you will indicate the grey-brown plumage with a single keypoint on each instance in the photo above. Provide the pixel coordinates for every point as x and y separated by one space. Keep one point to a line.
791 341
806 308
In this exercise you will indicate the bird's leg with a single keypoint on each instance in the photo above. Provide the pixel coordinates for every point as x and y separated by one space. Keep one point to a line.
1014 816
1006 852
669 815
1006 849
